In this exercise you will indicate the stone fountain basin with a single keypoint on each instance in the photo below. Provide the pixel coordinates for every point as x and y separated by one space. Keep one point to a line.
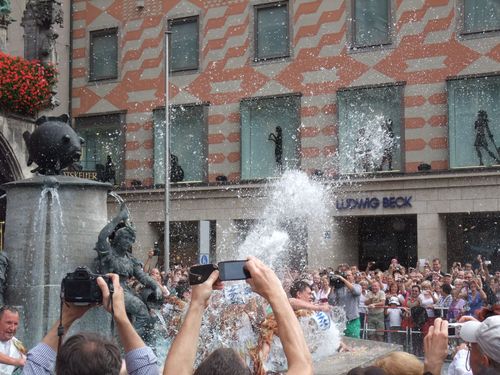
364 353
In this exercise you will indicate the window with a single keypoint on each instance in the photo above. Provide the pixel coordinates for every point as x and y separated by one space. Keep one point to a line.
184 44
370 129
104 136
480 16
371 22
103 54
473 135
269 136
272 34
188 144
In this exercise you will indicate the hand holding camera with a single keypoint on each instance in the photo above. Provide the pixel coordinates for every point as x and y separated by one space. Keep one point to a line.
80 287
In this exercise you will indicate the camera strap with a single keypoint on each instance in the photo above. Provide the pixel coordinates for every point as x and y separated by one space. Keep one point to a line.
110 306
60 328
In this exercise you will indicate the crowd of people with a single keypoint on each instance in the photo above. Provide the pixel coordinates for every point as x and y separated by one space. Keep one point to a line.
380 304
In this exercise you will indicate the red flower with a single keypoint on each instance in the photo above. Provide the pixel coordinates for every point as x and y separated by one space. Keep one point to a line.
25 86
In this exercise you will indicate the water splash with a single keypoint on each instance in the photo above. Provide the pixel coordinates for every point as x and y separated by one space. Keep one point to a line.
294 203
235 316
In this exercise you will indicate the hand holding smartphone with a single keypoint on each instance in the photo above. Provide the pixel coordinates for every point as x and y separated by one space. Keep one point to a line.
228 270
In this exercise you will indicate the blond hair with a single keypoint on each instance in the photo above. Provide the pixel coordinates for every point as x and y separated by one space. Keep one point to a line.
400 363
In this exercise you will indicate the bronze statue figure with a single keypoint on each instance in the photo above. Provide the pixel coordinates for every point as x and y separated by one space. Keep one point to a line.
113 248
176 171
4 266
278 146
106 173
388 140
482 128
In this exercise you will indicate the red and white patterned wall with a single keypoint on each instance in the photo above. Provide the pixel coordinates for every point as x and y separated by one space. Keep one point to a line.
426 49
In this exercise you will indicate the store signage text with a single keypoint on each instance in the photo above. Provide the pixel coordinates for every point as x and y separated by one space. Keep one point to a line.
373 203
90 175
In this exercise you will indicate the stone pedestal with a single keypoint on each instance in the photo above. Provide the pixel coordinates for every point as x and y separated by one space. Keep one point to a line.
52 224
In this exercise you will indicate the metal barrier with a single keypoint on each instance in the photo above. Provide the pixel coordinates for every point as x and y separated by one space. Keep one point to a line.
413 338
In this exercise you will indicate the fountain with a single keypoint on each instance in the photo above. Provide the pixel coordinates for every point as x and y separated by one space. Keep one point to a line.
52 224
236 317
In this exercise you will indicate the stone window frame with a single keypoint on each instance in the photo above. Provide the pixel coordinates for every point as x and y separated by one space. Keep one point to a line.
351 27
297 95
402 136
460 25
104 32
451 125
173 20
263 4
88 122
206 107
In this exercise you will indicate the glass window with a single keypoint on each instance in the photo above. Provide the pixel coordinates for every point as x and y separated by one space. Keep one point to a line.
184 45
472 112
269 136
104 136
188 144
272 39
103 54
370 129
481 15
370 22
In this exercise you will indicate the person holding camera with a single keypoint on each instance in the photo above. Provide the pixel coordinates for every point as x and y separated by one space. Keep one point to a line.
90 353
347 296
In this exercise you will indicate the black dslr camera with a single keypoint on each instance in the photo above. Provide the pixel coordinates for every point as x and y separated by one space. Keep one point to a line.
335 281
81 286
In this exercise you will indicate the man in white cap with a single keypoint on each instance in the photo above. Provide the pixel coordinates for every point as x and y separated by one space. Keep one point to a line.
484 338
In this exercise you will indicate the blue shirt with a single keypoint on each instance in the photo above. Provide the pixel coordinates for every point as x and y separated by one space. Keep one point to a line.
41 360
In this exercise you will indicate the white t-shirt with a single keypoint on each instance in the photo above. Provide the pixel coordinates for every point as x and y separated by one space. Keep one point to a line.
394 316
8 348
459 364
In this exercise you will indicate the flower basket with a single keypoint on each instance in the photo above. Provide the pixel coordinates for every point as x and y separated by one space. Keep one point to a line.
26 87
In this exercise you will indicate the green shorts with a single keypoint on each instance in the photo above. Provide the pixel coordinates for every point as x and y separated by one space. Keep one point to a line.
353 328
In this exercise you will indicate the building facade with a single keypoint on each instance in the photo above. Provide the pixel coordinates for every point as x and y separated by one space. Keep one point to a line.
36 29
395 102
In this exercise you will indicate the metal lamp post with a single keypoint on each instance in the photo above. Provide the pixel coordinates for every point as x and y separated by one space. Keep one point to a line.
166 236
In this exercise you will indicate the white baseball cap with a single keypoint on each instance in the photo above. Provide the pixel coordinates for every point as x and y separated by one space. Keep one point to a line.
486 334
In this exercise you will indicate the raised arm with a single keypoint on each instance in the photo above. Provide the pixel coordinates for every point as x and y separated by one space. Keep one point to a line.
182 353
298 304
139 358
102 245
267 284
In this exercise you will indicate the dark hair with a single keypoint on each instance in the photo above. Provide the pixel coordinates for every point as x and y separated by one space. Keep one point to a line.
298 286
8 308
222 361
182 288
88 354
446 288
416 286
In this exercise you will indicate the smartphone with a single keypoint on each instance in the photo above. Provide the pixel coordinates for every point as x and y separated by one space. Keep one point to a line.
200 273
233 270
